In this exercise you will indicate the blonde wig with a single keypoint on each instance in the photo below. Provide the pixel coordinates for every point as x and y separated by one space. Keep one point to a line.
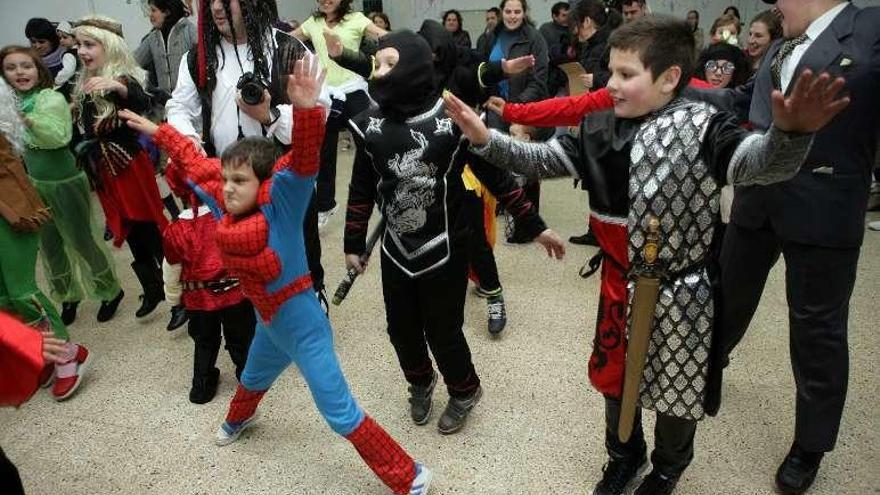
118 61
11 125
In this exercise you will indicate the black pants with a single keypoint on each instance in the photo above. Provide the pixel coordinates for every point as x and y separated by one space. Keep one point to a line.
238 324
818 285
313 244
429 312
10 482
145 243
673 440
340 114
480 255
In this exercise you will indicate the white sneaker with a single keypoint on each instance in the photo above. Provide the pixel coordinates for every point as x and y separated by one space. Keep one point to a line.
875 225
229 432
423 479
324 216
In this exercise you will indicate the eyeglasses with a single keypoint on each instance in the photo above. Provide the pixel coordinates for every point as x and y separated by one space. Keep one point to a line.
726 69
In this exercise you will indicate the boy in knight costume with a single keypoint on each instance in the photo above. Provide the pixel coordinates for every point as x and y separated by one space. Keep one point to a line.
680 153
261 201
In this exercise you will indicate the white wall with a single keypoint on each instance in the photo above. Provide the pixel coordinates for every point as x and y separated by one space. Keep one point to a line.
17 12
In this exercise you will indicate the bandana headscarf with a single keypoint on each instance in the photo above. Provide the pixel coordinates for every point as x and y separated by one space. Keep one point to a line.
407 89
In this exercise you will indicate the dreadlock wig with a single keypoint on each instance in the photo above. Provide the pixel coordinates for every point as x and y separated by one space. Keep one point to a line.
258 18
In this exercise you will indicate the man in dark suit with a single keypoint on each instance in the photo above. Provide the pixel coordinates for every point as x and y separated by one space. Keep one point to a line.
815 220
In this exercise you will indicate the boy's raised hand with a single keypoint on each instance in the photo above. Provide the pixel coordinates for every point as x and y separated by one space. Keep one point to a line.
467 120
138 123
304 85
812 104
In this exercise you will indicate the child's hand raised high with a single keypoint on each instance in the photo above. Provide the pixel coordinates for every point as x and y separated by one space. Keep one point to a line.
138 123
304 85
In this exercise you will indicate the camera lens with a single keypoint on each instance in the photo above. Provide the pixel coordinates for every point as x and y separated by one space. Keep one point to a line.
252 93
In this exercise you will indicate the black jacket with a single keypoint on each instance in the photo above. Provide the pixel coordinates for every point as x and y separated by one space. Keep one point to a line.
824 204
593 56
531 86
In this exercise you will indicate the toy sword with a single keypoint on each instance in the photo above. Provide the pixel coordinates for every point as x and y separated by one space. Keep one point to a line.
352 273
644 303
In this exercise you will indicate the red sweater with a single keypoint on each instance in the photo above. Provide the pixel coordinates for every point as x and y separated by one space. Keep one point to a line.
567 110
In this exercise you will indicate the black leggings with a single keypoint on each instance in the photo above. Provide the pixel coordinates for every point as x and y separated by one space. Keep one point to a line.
238 323
145 243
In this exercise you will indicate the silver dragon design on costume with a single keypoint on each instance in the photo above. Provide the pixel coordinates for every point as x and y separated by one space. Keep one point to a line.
406 212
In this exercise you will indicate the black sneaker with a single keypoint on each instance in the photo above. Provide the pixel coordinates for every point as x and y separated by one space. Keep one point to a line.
68 312
798 470
497 314
587 239
456 412
618 475
204 388
420 402
656 483
108 308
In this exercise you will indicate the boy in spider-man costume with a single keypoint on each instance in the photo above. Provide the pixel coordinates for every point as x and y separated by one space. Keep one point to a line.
261 201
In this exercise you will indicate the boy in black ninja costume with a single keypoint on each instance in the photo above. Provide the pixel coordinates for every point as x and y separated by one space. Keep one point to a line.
410 156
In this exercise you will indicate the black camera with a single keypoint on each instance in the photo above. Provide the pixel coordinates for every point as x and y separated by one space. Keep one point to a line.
251 87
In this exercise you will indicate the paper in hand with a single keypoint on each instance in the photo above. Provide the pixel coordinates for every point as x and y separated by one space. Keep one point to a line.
574 71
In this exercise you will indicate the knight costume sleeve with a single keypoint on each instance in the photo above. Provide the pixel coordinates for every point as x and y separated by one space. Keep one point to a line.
555 158
741 158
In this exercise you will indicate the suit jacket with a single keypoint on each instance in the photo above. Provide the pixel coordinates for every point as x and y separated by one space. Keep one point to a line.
825 203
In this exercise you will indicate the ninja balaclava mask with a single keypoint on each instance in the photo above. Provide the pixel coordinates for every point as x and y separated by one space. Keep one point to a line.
408 88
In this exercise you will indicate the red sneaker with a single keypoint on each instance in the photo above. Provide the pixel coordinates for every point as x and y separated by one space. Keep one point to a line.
65 386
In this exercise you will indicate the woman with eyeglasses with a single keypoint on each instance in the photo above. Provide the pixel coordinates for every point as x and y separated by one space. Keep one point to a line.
722 65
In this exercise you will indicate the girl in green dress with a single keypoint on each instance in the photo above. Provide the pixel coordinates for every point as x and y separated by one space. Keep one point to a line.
77 264
22 214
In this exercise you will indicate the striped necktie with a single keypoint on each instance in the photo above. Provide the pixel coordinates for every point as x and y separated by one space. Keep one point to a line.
787 48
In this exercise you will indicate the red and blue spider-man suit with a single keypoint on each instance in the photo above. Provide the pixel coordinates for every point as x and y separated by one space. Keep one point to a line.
266 251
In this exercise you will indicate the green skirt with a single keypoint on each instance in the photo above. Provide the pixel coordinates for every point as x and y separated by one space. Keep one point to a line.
76 259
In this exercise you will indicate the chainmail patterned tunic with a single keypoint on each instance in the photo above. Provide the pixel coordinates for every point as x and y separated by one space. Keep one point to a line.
670 180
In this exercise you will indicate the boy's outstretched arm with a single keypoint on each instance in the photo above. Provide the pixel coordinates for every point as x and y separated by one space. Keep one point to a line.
554 112
182 152
303 89
778 154
555 158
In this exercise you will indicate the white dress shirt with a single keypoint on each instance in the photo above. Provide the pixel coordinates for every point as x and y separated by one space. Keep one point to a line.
815 29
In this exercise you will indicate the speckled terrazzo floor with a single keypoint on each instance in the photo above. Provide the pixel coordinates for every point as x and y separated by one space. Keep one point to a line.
538 429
